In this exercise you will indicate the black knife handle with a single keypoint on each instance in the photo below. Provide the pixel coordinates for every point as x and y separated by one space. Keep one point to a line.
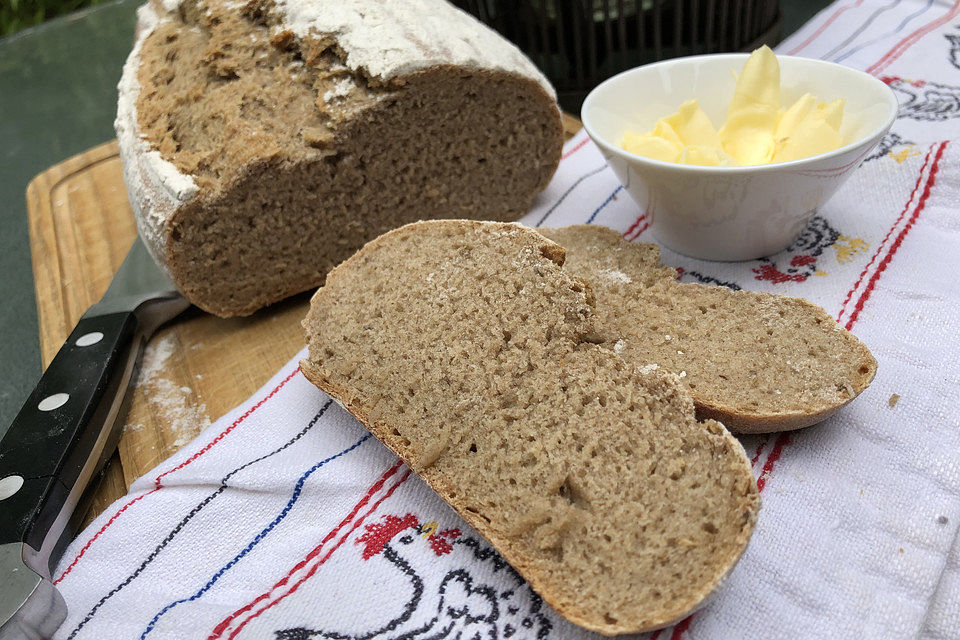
68 418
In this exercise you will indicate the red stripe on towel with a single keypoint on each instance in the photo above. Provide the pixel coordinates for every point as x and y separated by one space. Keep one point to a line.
578 146
906 207
100 531
224 624
644 227
157 481
634 225
760 447
681 628
901 47
821 28
931 180
315 567
782 441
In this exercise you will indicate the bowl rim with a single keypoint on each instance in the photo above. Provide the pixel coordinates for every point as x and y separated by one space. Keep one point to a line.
874 135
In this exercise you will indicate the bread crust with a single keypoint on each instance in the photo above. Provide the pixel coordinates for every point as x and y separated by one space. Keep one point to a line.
741 422
357 406
166 197
156 188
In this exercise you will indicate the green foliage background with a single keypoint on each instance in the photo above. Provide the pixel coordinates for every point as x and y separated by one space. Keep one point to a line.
20 14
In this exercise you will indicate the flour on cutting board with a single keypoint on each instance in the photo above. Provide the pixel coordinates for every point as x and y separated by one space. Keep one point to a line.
174 405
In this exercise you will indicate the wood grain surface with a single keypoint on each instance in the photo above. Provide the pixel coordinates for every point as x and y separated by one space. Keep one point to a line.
196 368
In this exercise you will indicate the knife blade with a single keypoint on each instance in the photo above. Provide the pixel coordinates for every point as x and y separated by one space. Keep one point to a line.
65 432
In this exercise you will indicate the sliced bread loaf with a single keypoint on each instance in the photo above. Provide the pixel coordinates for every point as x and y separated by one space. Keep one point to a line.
469 351
264 141
757 362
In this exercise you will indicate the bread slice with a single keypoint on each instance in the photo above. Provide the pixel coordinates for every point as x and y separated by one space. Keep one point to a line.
757 362
468 350
264 141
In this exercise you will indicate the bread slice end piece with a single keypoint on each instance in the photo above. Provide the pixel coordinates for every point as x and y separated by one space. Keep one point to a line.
757 362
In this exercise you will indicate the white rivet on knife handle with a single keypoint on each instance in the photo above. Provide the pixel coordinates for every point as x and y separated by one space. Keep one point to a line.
55 401
9 486
88 339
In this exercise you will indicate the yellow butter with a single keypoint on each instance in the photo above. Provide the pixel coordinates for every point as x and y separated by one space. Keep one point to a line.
808 128
757 130
650 146
705 156
692 126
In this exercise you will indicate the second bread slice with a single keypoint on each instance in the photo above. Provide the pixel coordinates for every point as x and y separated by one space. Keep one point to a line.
758 362
469 351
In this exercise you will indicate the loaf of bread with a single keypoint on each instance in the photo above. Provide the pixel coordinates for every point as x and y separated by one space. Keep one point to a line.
757 362
264 141
468 350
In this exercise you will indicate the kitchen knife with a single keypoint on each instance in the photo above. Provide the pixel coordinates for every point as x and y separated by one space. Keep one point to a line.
63 435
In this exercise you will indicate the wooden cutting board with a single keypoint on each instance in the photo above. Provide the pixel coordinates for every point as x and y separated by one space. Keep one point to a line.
196 368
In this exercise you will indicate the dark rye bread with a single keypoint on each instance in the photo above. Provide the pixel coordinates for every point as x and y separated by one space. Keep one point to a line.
468 350
261 150
758 362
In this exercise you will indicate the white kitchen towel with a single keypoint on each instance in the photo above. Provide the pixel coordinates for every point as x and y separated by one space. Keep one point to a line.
286 520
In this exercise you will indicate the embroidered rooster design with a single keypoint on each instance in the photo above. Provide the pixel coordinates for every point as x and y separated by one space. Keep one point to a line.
954 54
887 145
801 256
463 607
925 100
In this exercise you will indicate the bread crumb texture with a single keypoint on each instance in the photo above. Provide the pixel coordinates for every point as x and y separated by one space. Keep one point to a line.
300 159
758 362
468 350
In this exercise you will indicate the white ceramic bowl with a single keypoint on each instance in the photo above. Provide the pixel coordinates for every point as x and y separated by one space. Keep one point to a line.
732 213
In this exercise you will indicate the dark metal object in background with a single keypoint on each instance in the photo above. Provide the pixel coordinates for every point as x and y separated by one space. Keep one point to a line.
580 43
